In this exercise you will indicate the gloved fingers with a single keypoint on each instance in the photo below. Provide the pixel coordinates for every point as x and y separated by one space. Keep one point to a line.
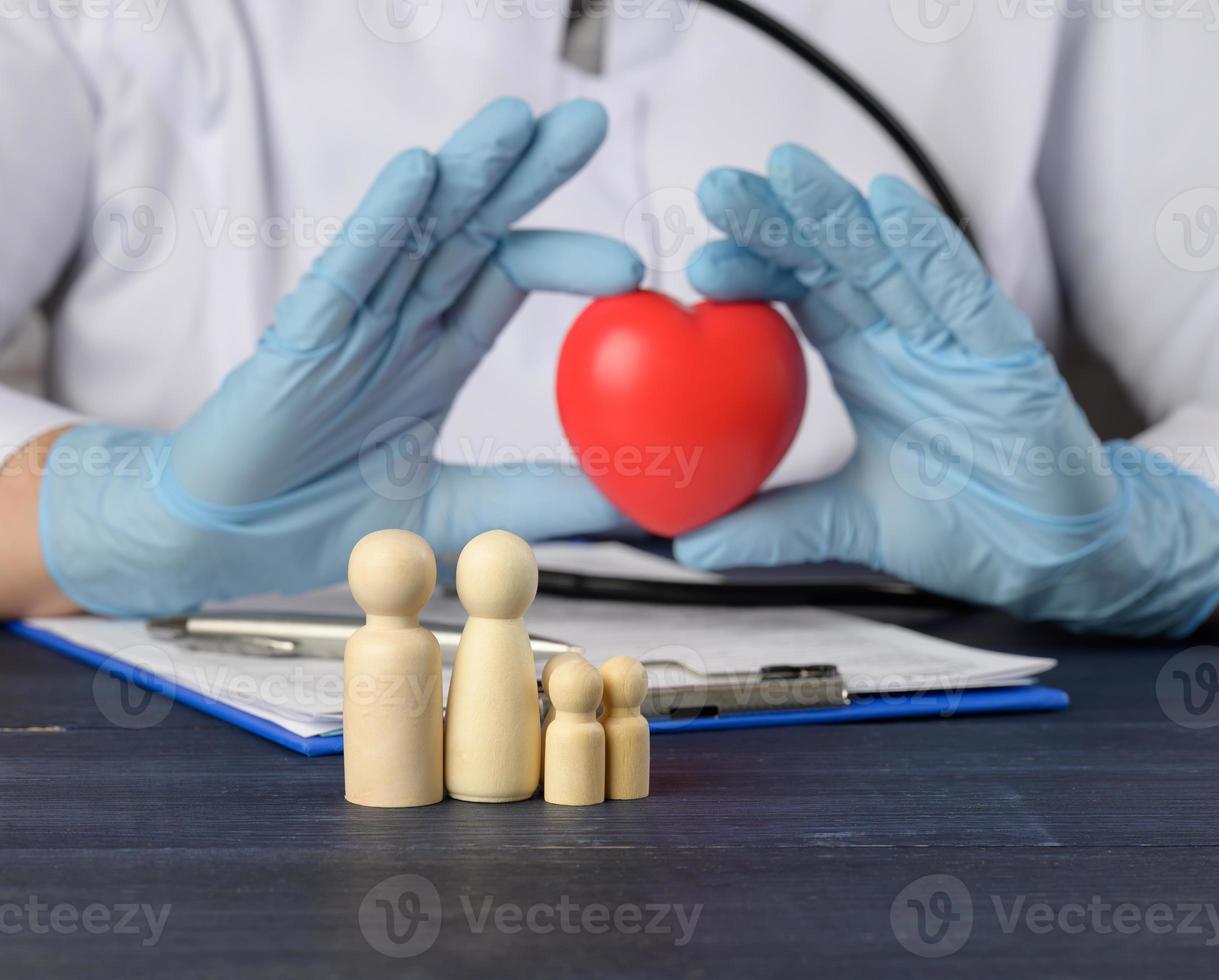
322 306
537 500
554 261
825 521
744 206
474 161
470 166
831 214
564 141
939 260
727 272
569 262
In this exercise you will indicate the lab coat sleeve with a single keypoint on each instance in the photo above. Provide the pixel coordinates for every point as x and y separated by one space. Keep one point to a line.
47 119
1129 176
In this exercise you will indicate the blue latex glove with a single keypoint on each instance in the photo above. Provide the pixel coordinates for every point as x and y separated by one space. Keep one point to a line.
976 475
325 433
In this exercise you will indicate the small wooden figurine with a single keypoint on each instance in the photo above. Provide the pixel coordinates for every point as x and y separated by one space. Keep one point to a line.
628 755
575 742
552 665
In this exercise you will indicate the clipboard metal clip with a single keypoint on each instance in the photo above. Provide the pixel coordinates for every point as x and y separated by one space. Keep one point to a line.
778 687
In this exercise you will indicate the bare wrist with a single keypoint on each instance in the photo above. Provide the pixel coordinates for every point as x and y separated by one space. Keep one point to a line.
26 587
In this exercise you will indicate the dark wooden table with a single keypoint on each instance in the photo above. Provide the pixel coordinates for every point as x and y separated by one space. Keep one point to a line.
1076 844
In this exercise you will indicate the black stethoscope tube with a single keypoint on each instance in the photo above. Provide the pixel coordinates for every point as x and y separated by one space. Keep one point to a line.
822 63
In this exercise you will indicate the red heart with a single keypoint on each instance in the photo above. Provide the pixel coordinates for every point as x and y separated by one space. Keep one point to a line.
679 415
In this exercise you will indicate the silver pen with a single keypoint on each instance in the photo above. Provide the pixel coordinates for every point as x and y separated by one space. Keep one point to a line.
268 634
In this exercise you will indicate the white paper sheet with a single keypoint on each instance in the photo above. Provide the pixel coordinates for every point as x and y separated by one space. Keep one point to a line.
681 644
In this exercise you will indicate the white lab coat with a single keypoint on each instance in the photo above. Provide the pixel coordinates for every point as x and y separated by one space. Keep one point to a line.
226 139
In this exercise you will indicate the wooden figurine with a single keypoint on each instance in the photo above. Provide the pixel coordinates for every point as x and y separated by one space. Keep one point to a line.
547 672
392 728
493 734
628 756
575 742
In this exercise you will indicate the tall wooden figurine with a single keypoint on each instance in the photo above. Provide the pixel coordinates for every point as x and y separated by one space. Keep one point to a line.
393 736
628 752
493 733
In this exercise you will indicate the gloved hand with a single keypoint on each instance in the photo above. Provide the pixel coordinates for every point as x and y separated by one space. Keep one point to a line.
975 475
326 432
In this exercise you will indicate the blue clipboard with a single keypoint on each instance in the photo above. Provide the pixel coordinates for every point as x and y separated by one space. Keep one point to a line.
999 700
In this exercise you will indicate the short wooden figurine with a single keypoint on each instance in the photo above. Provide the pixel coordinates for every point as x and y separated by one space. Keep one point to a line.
552 665
575 742
628 754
